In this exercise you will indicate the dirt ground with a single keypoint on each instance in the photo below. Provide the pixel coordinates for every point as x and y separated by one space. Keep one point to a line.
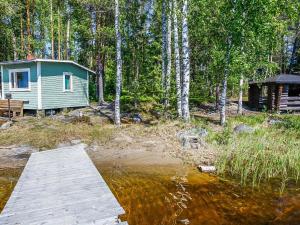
140 144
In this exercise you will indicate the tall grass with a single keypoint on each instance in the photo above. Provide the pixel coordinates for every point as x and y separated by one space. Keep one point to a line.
271 152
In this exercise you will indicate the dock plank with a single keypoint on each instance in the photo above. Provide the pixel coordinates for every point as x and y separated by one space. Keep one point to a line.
61 186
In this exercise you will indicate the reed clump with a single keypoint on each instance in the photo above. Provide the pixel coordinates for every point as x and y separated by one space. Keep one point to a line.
271 152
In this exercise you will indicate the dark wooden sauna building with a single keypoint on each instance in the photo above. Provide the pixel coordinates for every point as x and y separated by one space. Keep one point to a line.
279 93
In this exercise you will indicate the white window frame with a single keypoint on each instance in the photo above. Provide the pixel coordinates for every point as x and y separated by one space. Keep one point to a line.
71 82
15 71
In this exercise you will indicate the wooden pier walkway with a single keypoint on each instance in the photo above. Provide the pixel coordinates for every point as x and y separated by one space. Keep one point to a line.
61 187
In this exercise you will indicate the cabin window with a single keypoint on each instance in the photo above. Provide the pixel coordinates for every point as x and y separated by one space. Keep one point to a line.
20 80
68 83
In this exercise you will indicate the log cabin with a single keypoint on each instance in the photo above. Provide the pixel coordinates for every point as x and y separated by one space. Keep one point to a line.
280 93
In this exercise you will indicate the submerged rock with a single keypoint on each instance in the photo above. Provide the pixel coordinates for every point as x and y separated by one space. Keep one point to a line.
192 138
242 128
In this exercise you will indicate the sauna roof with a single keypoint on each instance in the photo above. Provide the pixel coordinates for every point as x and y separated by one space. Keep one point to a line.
280 79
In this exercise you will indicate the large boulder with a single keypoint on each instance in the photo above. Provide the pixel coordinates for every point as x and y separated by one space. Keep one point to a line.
242 128
192 138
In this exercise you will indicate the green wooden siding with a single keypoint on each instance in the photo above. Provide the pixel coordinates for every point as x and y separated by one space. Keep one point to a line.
30 97
53 95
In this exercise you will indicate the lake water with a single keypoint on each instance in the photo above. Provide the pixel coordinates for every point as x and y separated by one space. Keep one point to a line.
168 195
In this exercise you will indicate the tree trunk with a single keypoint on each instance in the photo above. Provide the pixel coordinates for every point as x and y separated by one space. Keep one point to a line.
52 29
28 28
14 42
224 85
149 10
177 60
169 57
119 64
67 50
186 63
100 73
22 37
58 35
164 44
240 101
217 97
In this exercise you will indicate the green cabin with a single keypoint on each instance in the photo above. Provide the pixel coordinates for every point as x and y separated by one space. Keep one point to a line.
45 84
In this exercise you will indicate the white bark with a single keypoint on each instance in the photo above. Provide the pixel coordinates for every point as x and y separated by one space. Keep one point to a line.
240 101
149 10
119 64
224 85
177 59
164 43
99 73
169 57
186 63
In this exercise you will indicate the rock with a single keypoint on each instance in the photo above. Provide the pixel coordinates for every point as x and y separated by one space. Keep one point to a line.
192 138
137 118
274 121
207 169
242 128
6 125
75 142
76 113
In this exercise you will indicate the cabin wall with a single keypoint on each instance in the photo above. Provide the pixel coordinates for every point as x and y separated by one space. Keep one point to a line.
52 93
29 97
289 103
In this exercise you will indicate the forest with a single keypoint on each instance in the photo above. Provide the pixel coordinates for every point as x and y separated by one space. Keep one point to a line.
169 53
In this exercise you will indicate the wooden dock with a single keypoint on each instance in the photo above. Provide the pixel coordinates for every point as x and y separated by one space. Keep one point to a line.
61 187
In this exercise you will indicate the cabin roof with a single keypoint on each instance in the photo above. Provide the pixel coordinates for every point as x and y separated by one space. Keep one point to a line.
280 79
45 60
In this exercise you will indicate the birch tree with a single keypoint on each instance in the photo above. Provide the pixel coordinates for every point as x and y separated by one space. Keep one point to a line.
177 59
186 63
164 43
149 10
119 64
169 56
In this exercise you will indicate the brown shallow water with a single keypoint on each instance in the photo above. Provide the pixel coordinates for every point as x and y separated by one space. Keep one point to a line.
169 195
163 195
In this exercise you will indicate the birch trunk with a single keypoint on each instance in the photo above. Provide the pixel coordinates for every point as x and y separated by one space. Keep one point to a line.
119 64
240 101
169 57
224 85
186 63
177 60
100 74
164 43
52 29
149 10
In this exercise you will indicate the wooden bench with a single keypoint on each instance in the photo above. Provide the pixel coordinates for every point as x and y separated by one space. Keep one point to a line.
16 106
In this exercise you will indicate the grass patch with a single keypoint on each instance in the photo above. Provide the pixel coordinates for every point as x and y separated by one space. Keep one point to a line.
271 152
48 133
